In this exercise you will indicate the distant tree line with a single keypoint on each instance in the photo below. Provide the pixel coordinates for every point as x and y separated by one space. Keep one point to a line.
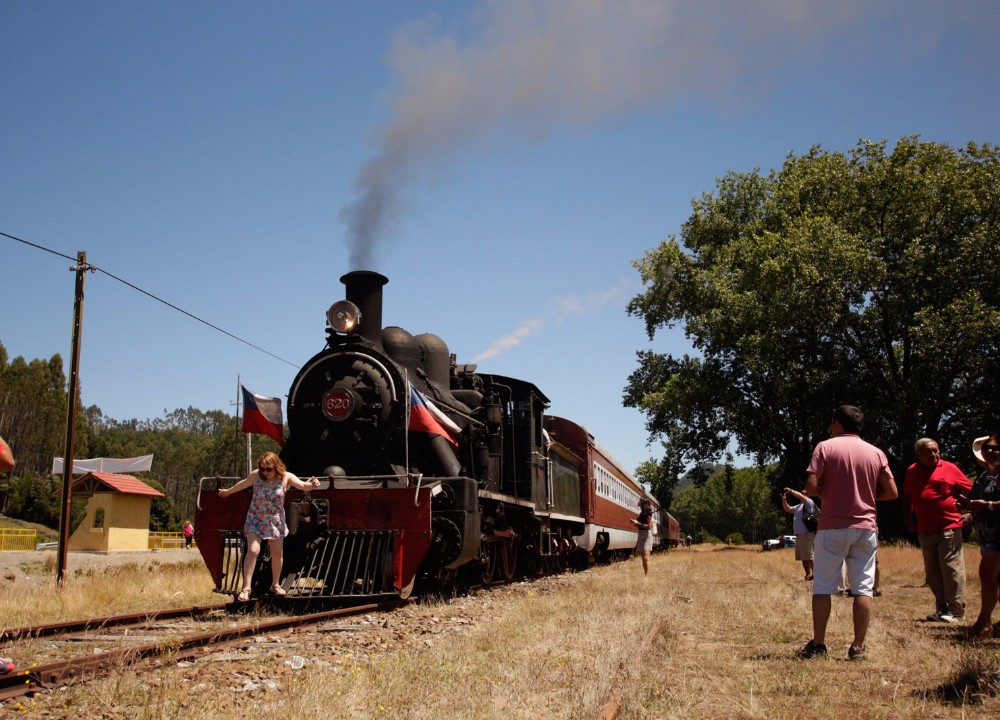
715 502
186 444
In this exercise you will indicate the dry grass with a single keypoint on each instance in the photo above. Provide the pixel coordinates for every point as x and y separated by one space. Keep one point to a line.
729 653
727 621
97 591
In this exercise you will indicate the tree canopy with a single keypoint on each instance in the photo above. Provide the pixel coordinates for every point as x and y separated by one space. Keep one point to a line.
33 411
869 277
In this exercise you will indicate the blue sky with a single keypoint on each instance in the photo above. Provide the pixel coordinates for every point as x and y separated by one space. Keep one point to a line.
503 163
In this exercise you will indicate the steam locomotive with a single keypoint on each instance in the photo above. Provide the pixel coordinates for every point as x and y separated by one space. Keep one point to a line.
434 476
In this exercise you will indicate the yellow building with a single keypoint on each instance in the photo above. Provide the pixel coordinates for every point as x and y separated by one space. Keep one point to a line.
117 512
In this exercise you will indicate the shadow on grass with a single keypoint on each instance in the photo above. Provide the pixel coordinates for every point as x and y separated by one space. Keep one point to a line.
790 655
975 678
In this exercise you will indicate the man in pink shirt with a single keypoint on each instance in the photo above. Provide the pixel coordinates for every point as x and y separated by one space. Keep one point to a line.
930 494
850 475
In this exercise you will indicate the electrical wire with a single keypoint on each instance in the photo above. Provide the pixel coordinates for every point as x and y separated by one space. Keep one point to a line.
95 268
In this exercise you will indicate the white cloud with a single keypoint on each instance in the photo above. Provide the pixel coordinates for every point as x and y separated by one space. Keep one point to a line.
563 308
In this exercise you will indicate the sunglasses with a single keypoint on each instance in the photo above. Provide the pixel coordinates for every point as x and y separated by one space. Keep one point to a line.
991 448
265 469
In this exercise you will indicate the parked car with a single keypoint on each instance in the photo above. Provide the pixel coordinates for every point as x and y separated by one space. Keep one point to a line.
782 541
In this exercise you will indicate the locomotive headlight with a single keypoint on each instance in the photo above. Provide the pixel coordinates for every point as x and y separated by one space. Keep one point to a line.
343 316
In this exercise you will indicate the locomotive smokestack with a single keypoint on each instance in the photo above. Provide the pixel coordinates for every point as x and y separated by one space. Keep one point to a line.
364 289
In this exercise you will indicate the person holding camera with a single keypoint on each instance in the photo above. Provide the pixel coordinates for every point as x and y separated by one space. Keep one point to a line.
805 516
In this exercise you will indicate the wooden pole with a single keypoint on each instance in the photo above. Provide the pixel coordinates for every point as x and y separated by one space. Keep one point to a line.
74 391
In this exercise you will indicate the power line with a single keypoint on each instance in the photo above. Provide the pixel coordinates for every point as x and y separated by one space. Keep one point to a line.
40 247
94 268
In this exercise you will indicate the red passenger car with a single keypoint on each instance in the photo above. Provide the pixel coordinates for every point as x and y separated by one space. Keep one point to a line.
609 495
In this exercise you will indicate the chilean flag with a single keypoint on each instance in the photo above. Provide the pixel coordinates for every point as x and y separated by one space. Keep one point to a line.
426 417
262 415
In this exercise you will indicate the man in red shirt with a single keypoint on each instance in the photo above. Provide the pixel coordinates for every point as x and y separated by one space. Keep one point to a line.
930 495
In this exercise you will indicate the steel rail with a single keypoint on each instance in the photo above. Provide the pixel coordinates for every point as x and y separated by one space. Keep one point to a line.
75 626
20 683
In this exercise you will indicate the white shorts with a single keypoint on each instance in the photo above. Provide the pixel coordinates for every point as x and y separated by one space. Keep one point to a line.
834 548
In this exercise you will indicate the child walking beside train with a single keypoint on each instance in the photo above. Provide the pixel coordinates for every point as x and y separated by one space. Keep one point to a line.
266 516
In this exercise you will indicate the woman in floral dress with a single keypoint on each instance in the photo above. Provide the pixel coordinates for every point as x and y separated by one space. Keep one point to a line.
266 516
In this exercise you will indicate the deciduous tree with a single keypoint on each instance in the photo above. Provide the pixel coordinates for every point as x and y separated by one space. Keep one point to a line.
869 277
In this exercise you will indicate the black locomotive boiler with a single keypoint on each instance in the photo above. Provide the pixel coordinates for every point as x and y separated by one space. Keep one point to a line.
434 475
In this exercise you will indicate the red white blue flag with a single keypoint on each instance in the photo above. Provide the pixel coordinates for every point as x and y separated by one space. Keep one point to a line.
426 417
262 415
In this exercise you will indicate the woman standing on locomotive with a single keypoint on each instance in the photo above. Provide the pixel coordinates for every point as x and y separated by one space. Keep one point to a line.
644 543
266 516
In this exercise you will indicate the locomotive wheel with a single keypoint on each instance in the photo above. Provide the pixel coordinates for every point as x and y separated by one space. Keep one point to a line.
447 543
490 561
532 561
434 593
508 558
555 561
439 590
601 554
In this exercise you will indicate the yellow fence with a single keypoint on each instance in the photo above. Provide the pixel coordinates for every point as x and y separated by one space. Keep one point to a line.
166 540
17 539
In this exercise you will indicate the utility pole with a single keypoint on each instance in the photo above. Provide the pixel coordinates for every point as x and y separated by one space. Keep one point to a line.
74 391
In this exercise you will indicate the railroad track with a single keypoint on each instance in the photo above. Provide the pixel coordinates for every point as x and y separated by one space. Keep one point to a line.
77 626
141 649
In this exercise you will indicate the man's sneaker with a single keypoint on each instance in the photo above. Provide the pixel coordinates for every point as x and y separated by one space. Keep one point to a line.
945 617
811 650
857 653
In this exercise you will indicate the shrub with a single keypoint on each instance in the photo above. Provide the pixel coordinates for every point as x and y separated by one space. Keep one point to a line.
707 537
